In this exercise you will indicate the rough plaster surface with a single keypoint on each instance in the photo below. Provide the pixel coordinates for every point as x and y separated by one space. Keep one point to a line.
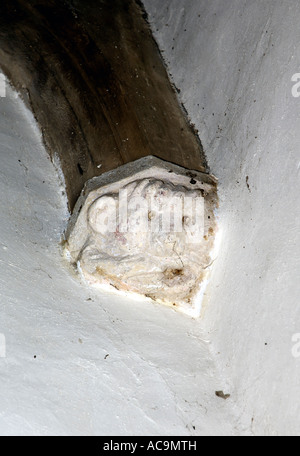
233 62
79 362
147 228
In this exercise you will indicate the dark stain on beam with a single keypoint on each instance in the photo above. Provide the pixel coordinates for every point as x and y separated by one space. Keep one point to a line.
93 76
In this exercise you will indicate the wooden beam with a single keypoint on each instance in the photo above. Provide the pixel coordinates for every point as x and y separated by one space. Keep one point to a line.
94 78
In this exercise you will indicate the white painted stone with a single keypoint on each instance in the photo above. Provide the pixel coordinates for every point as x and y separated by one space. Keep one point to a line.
147 228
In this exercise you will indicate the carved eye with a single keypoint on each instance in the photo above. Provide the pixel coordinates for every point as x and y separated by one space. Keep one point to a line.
186 221
151 215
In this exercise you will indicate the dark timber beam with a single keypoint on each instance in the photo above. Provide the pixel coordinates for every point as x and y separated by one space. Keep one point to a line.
92 75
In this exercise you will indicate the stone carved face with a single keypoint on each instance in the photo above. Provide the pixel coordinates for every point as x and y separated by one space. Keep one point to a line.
149 236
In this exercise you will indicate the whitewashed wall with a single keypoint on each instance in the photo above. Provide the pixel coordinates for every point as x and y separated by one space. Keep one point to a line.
73 360
233 61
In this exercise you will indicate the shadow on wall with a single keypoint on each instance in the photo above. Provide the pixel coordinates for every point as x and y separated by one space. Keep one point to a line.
92 75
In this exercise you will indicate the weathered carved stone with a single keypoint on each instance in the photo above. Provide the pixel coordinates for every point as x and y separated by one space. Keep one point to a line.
147 228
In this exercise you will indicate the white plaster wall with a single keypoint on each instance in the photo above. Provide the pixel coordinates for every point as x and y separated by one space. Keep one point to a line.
233 61
78 361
